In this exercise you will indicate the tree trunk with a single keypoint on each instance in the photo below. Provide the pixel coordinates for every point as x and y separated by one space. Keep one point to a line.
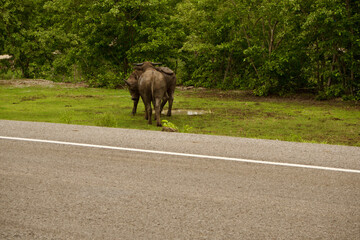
332 70
272 36
24 65
25 70
227 67
348 8
251 60
125 65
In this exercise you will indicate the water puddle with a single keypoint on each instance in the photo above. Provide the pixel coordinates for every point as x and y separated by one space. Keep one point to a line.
189 112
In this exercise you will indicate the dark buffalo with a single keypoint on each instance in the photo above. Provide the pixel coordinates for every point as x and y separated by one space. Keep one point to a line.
169 76
170 79
132 83
152 89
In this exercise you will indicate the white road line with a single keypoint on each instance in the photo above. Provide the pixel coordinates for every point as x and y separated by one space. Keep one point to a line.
185 155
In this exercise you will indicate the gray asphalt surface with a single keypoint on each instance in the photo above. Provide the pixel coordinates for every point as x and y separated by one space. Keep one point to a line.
54 191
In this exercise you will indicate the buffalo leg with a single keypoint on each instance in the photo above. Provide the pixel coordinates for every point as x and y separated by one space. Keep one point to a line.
157 111
171 100
146 112
136 101
154 105
149 112
164 101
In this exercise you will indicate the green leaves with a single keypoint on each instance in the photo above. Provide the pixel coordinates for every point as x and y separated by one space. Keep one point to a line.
269 46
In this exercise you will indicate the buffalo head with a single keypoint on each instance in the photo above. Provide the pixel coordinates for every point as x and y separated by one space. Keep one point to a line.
132 83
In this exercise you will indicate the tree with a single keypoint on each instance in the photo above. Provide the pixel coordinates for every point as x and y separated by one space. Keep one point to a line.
104 37
329 32
21 35
271 47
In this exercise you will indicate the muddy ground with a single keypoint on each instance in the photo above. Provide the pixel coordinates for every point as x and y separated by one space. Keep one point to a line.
39 82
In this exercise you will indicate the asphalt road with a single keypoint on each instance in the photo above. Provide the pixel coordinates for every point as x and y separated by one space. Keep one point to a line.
109 190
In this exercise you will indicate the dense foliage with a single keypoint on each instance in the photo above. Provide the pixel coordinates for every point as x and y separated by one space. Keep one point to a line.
270 46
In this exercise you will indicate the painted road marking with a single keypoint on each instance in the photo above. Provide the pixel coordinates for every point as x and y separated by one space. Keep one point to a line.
185 155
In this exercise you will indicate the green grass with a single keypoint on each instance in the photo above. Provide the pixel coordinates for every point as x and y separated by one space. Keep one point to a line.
231 113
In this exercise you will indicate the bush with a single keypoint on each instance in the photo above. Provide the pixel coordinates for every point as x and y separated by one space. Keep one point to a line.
331 92
107 79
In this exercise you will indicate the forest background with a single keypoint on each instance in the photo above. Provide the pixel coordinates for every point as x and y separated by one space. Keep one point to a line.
268 46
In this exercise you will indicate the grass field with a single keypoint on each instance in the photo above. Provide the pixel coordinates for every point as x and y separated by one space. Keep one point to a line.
230 113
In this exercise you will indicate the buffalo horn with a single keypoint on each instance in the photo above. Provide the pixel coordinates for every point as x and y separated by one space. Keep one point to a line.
156 63
138 64
127 82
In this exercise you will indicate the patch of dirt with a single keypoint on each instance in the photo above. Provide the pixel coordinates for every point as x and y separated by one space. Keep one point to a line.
39 82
